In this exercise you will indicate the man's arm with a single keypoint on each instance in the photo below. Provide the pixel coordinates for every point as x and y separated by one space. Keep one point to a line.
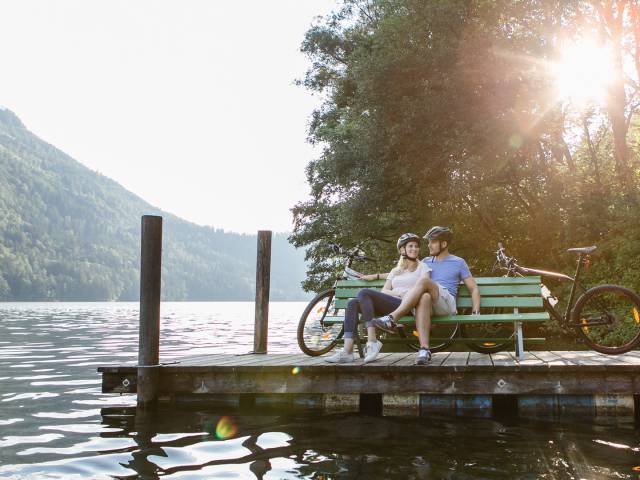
475 293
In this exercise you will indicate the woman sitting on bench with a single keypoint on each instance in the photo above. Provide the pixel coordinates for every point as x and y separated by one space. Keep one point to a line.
370 303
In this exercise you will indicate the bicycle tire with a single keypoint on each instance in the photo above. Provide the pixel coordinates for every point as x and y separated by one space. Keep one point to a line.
449 331
486 347
598 305
314 338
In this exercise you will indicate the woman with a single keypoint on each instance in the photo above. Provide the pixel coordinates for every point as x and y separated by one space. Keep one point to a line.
370 303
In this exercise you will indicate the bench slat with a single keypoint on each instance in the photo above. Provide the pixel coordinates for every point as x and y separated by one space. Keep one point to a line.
483 318
487 302
531 280
485 291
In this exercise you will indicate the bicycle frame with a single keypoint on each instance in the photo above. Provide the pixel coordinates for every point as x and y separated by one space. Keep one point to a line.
515 269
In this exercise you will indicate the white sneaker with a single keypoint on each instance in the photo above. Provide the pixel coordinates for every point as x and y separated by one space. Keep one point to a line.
372 351
340 357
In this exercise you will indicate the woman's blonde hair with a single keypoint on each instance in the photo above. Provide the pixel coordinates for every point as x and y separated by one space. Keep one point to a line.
405 264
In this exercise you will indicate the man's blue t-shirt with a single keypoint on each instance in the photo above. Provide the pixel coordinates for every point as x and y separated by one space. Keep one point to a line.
448 272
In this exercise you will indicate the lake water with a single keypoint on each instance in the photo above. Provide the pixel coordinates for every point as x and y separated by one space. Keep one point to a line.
55 422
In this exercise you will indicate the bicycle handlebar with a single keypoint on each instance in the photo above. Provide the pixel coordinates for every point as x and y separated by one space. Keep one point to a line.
354 254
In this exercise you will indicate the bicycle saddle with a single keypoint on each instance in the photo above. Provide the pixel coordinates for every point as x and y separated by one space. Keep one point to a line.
585 250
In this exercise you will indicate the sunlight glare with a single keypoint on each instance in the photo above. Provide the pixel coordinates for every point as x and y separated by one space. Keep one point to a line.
583 73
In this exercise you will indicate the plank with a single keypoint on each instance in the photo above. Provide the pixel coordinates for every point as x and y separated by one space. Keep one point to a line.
485 290
529 359
456 359
192 358
410 359
550 359
590 358
380 361
502 358
489 302
476 358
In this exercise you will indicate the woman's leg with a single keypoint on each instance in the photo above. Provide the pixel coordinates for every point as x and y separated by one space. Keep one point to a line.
372 303
350 323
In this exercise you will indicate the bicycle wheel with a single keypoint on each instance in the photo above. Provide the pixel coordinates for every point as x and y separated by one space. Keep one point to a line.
487 337
607 318
441 336
315 336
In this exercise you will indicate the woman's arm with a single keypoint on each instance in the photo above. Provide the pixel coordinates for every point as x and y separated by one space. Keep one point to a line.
374 276
387 288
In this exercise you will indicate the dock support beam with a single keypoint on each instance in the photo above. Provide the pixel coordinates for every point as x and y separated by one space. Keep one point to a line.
149 339
263 277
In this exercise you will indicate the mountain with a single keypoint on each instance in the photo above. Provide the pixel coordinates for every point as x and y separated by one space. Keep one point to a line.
69 233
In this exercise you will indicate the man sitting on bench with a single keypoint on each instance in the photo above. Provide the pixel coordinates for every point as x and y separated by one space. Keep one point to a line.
435 295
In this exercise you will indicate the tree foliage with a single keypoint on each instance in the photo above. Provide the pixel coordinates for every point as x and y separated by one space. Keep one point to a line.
445 113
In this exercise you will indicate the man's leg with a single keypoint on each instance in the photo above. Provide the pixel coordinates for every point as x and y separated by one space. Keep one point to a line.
412 297
423 319
423 324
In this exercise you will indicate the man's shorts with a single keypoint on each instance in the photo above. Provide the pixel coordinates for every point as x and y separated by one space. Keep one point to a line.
446 303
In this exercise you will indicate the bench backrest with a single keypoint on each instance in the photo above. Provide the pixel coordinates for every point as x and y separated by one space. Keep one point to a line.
510 292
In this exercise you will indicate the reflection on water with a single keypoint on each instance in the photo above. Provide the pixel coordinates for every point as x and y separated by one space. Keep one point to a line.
55 422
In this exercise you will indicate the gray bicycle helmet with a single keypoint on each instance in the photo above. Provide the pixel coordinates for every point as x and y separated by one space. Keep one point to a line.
406 238
439 233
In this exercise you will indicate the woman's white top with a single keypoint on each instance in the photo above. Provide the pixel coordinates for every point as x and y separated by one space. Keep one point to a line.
402 282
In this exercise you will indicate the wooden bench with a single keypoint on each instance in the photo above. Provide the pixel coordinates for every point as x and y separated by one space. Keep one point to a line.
520 296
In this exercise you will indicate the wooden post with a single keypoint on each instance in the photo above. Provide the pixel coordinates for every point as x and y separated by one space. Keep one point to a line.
149 339
263 276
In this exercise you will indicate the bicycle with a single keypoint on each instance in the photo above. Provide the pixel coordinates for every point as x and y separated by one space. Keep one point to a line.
606 317
317 337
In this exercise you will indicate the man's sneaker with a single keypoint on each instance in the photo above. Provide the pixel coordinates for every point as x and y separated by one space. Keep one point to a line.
424 356
385 323
340 357
372 351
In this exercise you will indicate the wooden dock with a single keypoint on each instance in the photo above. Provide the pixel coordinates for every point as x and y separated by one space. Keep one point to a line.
546 382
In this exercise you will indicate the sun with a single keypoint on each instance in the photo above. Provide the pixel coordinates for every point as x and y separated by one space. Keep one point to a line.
583 73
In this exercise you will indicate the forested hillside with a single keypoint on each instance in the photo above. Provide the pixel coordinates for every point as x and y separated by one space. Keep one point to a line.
69 233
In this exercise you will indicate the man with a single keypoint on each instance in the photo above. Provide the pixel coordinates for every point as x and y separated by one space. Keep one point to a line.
435 295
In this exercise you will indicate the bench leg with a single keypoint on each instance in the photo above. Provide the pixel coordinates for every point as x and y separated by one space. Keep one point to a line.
519 342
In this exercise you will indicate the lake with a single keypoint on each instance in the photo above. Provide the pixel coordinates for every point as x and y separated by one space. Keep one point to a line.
56 423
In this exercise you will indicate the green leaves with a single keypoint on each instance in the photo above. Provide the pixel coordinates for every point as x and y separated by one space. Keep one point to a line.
440 113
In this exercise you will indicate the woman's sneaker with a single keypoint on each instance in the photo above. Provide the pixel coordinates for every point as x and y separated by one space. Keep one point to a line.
372 351
340 357
385 323
424 356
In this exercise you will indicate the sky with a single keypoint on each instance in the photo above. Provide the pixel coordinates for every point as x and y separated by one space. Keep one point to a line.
189 104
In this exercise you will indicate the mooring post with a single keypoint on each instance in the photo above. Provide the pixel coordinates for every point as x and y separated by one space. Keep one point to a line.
149 340
263 274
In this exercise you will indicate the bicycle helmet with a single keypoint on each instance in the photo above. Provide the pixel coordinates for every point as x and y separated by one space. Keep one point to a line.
406 238
439 233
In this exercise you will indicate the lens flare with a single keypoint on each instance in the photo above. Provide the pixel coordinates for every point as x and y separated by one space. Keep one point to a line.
415 333
295 370
636 316
225 428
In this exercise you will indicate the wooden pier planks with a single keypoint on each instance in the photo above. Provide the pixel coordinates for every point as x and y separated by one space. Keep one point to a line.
540 372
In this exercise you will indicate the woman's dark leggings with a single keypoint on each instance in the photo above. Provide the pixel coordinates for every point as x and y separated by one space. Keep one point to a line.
369 303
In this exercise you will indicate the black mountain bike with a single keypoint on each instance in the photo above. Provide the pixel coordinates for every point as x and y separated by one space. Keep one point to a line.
605 317
316 336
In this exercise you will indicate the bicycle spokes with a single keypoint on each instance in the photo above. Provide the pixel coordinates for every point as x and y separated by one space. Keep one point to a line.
608 319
